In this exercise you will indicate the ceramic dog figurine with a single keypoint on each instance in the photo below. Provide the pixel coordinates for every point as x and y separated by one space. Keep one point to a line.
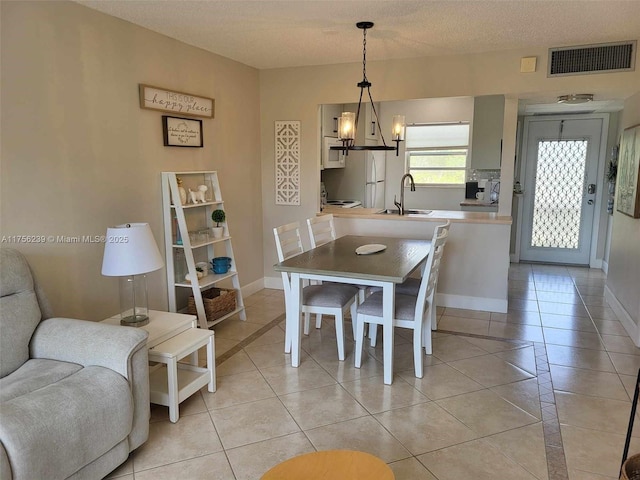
198 195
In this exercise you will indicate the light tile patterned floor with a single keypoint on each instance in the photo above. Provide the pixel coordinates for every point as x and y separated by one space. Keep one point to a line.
548 396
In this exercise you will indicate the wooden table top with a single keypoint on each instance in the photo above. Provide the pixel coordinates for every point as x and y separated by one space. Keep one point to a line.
331 465
339 258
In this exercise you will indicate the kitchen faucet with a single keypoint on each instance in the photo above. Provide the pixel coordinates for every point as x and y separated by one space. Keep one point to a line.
413 189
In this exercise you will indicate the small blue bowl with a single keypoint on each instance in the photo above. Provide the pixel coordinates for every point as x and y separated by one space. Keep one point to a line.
221 264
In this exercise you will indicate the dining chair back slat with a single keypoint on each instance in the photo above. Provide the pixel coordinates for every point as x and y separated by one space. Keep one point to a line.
321 230
288 241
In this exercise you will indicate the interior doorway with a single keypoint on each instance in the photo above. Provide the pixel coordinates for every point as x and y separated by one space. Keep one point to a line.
561 159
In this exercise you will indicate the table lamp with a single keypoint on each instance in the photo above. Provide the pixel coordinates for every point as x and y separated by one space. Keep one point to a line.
130 252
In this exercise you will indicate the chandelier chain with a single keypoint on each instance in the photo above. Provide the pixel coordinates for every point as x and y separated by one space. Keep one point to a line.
364 54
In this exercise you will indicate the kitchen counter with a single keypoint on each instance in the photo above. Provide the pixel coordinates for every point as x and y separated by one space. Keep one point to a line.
456 216
475 265
472 202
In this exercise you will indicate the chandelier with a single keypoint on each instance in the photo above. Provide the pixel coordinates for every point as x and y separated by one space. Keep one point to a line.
348 122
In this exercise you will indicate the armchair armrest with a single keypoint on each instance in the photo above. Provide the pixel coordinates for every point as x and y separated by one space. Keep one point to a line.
87 343
122 349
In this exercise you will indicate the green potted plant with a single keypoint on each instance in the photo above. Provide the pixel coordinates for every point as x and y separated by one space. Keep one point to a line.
218 216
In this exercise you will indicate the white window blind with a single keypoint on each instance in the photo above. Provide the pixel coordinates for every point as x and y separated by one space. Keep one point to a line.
437 136
437 154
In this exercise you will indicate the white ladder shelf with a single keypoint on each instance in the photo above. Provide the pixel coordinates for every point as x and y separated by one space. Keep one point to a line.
178 216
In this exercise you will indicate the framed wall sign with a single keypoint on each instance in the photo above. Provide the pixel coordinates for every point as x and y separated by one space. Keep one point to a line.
628 177
181 132
156 98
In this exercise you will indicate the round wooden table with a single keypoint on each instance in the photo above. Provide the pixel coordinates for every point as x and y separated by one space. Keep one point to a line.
331 465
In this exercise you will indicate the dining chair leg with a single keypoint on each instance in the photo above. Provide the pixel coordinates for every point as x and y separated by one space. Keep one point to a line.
340 335
307 317
426 333
287 330
417 353
318 320
373 334
359 340
354 309
433 315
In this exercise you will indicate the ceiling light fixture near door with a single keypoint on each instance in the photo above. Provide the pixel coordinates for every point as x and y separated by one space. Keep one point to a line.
575 98
348 122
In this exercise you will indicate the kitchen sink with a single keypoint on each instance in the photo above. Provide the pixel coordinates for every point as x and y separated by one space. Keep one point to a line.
407 211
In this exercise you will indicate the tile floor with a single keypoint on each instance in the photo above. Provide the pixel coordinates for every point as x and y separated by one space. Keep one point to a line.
541 392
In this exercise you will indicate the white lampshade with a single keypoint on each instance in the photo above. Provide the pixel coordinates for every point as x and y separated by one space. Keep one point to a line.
130 249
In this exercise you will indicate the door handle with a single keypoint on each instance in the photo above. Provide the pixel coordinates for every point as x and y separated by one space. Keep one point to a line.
591 189
590 202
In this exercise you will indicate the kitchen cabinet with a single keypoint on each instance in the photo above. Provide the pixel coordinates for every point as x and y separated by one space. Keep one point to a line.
187 228
367 125
330 114
486 141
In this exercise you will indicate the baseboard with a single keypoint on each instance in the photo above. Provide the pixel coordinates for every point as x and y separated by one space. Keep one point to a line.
472 303
273 282
597 263
624 317
514 258
253 287
605 267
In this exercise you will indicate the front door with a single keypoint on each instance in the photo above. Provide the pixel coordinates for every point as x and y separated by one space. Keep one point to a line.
561 164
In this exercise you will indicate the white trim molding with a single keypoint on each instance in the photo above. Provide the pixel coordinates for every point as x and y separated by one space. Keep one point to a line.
624 317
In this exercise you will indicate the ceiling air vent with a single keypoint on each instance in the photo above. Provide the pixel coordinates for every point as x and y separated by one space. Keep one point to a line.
590 59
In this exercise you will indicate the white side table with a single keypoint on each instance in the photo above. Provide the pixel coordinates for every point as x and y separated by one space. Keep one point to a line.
176 382
173 336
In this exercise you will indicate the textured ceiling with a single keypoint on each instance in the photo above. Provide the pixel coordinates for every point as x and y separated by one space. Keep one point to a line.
272 34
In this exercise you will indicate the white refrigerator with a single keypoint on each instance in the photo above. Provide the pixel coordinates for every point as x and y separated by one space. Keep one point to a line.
375 165
362 179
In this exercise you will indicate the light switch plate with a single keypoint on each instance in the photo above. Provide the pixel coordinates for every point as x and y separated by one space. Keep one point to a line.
528 64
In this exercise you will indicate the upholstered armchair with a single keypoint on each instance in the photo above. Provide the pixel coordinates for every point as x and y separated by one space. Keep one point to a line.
74 395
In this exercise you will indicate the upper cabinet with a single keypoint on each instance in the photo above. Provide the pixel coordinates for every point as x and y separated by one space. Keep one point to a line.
330 115
367 125
486 142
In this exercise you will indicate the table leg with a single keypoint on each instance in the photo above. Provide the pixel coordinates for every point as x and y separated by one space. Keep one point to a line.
388 310
294 320
172 379
211 364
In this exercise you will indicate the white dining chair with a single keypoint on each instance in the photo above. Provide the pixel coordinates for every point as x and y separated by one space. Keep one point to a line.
414 312
411 286
327 299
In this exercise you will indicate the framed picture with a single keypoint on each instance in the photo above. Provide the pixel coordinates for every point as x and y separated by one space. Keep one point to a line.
180 103
181 132
627 191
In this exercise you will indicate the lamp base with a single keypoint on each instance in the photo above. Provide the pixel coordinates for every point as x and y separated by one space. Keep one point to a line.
135 320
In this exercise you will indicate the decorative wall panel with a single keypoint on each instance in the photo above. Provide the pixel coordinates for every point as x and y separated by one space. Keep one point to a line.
287 140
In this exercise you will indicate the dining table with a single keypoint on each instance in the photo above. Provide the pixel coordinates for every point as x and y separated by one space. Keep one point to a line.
380 262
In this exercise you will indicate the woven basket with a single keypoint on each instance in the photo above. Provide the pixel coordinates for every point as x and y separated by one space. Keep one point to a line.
217 303
631 468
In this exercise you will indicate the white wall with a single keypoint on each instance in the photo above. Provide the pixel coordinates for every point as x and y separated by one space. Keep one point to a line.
79 154
623 279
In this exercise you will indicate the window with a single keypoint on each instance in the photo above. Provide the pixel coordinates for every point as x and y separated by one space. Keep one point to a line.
437 154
